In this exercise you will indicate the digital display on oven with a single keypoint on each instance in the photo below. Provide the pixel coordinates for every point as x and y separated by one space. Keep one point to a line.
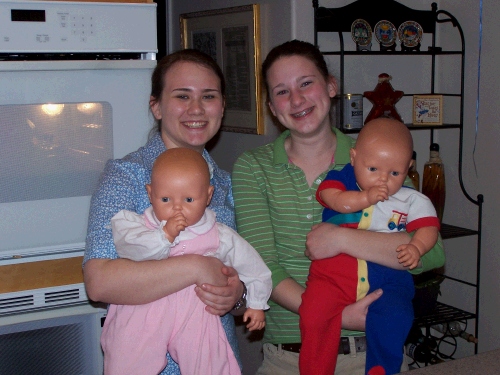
27 15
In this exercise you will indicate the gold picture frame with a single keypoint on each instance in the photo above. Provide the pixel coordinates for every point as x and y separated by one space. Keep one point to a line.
427 109
232 37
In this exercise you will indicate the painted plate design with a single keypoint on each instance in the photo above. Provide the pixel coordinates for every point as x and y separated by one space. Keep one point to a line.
385 32
410 33
361 32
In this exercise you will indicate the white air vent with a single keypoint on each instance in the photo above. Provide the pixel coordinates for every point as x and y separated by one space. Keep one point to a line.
62 296
31 300
7 304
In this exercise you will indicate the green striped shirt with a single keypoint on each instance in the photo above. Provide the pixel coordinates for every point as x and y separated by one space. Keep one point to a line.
275 209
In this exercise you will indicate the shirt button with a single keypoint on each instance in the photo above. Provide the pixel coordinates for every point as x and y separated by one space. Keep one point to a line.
318 181
309 197
309 216
366 214
363 279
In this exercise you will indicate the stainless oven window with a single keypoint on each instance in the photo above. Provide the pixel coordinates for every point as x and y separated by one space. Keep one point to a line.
55 150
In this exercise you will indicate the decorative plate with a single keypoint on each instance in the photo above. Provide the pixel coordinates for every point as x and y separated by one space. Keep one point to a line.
410 33
385 32
361 32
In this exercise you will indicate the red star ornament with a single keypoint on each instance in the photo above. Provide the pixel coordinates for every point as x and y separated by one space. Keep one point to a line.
383 99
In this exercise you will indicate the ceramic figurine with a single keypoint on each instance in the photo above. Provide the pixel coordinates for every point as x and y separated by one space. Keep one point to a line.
383 98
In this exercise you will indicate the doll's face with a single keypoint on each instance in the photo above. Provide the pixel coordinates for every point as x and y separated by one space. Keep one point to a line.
180 184
374 166
382 155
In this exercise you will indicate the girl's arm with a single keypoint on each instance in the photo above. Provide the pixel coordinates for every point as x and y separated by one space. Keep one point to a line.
125 282
288 294
327 240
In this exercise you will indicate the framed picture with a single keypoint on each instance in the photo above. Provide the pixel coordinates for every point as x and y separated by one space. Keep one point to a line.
427 109
232 37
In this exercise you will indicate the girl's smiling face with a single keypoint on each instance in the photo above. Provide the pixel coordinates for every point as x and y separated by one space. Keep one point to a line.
191 106
300 97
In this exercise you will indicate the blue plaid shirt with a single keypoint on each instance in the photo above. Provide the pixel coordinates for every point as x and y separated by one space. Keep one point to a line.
122 187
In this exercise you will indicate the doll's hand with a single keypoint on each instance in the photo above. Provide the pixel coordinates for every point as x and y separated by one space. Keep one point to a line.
378 193
257 319
174 226
408 256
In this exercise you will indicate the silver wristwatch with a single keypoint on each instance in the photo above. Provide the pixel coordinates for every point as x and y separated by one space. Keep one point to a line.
242 302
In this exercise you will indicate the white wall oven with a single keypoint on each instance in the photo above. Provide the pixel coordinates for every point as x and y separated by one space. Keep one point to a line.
74 92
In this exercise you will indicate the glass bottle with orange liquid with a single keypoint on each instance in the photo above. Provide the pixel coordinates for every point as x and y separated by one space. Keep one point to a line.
433 182
413 173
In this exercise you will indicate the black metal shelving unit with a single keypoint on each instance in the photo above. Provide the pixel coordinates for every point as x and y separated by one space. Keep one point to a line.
339 20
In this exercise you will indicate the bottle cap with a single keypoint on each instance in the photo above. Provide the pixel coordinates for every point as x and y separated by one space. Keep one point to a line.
434 147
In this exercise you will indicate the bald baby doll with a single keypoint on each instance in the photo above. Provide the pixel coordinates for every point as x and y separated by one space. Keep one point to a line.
368 194
381 160
135 339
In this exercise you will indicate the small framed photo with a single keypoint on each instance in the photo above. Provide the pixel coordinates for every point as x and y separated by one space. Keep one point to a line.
427 109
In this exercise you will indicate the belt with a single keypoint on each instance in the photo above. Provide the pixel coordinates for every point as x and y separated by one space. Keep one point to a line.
344 346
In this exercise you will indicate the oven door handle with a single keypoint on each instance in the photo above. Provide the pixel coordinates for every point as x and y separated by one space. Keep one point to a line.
66 65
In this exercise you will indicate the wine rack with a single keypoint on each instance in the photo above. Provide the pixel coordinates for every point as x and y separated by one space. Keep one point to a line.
339 21
442 314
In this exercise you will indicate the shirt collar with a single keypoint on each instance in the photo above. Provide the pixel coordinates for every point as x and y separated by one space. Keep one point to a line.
205 224
342 156
344 144
280 156
153 149
211 164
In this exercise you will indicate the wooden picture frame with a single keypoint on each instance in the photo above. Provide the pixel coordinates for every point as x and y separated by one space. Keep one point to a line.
232 37
427 109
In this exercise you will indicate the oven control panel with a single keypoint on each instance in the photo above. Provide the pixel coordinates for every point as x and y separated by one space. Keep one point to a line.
66 27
